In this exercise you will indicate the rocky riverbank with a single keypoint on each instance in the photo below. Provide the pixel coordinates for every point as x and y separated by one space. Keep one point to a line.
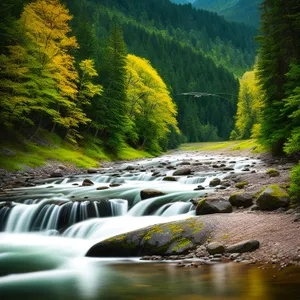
249 205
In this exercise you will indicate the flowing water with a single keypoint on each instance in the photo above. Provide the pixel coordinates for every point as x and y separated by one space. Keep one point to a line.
47 229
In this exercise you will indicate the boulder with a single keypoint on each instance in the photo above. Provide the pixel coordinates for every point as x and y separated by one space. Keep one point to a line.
215 182
182 172
130 168
164 239
169 178
92 171
56 174
213 206
273 197
246 246
148 193
215 248
241 200
87 182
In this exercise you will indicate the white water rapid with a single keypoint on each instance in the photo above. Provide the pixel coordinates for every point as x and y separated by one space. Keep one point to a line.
52 225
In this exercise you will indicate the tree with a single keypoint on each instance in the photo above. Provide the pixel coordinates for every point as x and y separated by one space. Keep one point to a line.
150 108
112 115
45 23
250 107
279 47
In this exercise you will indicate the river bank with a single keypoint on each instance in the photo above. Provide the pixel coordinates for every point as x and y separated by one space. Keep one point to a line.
277 231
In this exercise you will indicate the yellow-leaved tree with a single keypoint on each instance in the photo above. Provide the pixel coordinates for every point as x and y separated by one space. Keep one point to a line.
151 109
250 106
45 23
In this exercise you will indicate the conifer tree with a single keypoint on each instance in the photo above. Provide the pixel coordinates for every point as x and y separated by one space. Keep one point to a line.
112 113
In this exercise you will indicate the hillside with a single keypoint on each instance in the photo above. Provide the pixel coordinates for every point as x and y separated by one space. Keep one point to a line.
244 11
185 49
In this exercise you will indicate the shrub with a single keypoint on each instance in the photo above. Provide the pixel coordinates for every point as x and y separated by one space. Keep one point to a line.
295 184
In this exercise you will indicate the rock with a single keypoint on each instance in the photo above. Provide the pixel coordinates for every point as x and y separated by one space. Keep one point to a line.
228 169
215 248
100 188
246 246
148 193
169 178
130 168
241 184
215 182
172 238
254 207
241 200
92 171
201 187
213 206
297 217
273 173
273 197
184 163
182 172
87 182
115 184
226 183
56 174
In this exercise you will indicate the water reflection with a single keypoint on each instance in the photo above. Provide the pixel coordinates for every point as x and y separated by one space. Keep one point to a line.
89 279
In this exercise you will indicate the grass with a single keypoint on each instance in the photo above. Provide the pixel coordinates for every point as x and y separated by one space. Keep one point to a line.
230 145
25 154
129 153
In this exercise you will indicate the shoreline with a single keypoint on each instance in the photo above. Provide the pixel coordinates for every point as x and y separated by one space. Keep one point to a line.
278 234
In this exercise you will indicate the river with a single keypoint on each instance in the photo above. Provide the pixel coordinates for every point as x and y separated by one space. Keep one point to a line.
47 230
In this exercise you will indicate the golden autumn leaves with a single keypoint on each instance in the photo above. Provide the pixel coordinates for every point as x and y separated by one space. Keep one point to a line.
40 79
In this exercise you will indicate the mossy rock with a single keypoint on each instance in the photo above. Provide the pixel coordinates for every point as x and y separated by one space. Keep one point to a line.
241 185
273 173
164 239
273 197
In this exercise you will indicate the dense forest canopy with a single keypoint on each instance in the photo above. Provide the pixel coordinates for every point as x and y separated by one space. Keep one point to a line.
181 45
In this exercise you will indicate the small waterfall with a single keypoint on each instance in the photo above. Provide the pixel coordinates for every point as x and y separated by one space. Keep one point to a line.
119 207
192 180
47 216
173 209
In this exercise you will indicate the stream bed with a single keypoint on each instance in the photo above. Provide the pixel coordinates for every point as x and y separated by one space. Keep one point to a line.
46 231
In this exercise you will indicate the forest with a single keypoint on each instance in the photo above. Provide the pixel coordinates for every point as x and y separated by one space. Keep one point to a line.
116 71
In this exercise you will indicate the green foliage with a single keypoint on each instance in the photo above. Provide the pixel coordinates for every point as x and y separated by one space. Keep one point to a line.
113 118
278 71
250 107
294 189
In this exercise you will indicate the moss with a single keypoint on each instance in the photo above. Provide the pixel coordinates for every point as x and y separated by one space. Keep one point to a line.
241 185
155 229
117 238
182 243
278 191
273 173
225 236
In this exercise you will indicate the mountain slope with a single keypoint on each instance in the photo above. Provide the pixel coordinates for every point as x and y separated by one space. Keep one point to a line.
245 11
193 50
